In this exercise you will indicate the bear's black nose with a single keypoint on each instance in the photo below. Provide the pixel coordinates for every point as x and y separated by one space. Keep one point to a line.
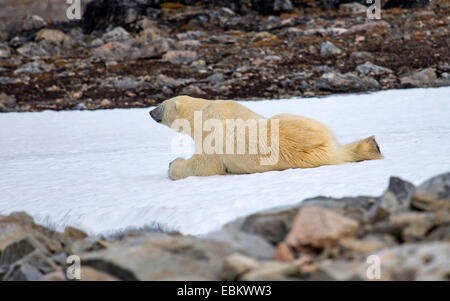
155 114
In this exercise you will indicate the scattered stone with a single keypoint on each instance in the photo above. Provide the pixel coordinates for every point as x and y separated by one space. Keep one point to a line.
338 270
118 34
128 83
216 78
367 28
19 248
35 67
235 265
362 55
155 49
371 69
418 262
112 50
160 257
437 187
243 242
7 102
338 82
415 225
105 103
5 51
55 37
353 8
422 78
180 56
328 48
193 90
319 228
71 233
31 50
395 199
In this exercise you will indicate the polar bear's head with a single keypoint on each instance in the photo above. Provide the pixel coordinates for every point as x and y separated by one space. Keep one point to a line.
180 107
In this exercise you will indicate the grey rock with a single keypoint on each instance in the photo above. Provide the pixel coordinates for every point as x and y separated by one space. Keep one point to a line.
282 6
323 69
22 272
361 55
335 81
20 248
118 34
35 67
353 8
9 80
97 43
6 102
422 78
128 83
80 106
328 48
180 56
28 23
438 187
31 50
419 262
331 31
5 51
155 49
190 44
395 199
191 35
338 270
161 257
246 243
371 69
216 78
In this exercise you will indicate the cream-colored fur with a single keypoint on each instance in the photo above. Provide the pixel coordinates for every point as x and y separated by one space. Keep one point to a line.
303 142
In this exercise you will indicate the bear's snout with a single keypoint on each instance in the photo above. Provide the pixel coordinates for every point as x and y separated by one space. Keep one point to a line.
156 114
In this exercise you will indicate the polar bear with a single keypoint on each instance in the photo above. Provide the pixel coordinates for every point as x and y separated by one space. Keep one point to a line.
282 142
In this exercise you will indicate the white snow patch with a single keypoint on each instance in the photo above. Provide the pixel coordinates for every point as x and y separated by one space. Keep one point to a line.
103 171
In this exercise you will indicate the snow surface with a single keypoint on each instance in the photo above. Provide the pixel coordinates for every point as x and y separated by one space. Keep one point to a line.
104 171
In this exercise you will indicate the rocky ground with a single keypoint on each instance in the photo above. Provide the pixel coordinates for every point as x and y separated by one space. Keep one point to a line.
407 229
138 53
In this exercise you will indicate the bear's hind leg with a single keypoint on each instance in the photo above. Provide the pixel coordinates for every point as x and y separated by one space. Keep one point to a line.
197 165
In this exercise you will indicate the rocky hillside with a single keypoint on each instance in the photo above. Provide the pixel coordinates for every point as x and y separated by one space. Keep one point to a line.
407 229
138 53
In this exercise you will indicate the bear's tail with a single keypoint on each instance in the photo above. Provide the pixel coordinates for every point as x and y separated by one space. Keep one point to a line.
366 149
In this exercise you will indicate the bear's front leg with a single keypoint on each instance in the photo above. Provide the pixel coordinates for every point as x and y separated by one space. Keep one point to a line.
197 165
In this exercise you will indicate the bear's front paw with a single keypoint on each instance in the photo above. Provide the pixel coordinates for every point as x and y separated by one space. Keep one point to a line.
175 169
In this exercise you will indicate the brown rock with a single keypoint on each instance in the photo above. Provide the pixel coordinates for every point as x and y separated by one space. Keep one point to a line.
90 274
317 227
71 233
112 50
236 265
283 253
428 203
